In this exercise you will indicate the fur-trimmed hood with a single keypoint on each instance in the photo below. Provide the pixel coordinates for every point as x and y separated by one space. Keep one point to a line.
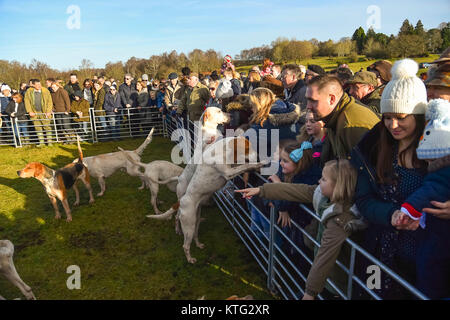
326 210
242 102
282 114
439 164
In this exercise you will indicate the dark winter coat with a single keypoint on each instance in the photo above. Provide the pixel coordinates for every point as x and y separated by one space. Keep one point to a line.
128 95
4 101
21 113
112 102
142 98
294 95
240 111
71 88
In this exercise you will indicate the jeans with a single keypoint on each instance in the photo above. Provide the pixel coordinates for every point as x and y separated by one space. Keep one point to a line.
20 127
62 124
83 127
101 127
264 225
114 125
6 126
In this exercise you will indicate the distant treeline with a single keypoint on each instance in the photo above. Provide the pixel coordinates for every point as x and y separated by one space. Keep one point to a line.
411 41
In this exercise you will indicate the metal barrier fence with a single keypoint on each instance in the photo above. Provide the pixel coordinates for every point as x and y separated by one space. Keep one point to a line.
94 127
287 269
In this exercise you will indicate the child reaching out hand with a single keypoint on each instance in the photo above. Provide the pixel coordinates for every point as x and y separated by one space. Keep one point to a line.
332 201
297 165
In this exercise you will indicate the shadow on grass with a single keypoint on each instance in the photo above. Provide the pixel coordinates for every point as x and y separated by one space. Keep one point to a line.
121 253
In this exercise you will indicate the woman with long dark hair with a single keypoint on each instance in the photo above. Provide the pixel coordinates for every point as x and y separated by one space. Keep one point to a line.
389 171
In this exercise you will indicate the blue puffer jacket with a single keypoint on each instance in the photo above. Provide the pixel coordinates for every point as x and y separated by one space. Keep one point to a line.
436 187
283 117
4 101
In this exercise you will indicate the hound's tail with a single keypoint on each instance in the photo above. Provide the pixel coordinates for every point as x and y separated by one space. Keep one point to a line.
166 215
136 163
80 152
146 142
173 179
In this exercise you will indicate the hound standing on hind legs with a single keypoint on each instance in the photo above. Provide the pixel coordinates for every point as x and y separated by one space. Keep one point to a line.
8 269
211 119
57 183
219 165
103 165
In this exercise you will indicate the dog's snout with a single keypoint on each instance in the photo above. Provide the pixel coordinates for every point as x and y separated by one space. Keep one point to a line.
18 172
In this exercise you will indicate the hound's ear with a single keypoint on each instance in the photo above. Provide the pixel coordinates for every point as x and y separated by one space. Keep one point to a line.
247 147
38 169
206 116
238 143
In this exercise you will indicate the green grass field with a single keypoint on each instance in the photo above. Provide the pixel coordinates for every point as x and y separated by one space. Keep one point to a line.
329 63
121 253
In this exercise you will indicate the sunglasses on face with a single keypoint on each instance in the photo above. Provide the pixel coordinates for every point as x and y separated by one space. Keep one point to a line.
212 89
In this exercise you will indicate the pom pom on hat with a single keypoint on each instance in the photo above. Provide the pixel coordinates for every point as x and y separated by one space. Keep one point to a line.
405 68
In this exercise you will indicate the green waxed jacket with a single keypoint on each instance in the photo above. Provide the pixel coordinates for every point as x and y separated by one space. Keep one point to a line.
194 101
46 101
372 100
345 126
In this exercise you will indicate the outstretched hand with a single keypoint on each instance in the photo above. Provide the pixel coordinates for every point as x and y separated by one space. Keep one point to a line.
248 193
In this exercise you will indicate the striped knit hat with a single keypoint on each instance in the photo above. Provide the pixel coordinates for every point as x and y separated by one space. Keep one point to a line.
435 142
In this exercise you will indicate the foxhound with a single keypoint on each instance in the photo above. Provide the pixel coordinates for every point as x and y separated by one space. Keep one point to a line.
221 162
103 165
155 171
57 183
211 119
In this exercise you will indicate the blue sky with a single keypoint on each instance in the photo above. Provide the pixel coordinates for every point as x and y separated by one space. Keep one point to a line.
117 30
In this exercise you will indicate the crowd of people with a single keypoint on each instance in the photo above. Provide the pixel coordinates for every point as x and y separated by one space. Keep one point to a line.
35 106
378 143
369 150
